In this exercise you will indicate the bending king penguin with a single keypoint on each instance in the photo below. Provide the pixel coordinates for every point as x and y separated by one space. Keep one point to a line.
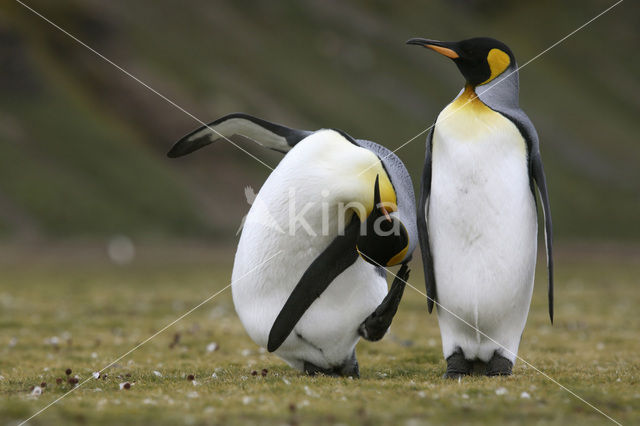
311 305
477 216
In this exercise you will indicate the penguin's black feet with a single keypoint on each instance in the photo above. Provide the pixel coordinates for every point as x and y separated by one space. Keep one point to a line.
499 366
312 370
349 368
458 365
376 325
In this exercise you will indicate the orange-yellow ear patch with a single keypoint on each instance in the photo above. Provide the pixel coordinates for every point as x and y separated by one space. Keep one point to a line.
399 256
449 53
498 62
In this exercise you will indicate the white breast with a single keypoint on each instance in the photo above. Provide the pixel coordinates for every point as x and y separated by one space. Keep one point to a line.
331 323
482 223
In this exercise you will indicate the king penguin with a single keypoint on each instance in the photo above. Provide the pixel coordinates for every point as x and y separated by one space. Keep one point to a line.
477 215
333 214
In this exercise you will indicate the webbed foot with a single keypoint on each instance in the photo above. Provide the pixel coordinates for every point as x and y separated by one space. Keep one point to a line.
458 365
499 366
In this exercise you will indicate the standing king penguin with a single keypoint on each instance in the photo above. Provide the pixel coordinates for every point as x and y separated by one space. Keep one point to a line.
477 216
325 287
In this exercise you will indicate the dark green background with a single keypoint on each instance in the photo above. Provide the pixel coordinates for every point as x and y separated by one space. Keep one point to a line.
82 146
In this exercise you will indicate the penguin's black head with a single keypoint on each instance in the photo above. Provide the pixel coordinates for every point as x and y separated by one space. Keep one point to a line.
480 59
383 240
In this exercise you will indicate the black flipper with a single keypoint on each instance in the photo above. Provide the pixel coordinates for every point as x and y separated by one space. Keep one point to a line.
270 135
337 257
423 230
537 172
376 325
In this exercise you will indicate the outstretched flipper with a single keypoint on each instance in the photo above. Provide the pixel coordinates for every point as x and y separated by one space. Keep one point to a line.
270 135
376 325
337 257
423 230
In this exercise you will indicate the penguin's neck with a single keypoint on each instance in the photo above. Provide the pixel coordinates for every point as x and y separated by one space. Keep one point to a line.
467 118
465 106
468 99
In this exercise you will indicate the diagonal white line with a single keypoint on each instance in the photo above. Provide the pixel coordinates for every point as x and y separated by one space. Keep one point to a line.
501 81
570 34
440 306
148 339
257 159
521 359
141 82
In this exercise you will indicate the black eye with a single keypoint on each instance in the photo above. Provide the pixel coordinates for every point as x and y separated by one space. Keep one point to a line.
386 225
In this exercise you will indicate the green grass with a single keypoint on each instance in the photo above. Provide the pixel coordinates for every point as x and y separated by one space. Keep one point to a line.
99 311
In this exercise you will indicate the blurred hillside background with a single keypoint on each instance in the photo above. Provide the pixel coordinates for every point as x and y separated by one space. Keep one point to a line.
82 146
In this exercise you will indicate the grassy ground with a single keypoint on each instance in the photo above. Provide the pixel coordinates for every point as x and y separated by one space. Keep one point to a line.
80 313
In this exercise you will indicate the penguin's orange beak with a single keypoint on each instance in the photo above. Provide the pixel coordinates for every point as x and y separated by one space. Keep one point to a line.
384 212
442 47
